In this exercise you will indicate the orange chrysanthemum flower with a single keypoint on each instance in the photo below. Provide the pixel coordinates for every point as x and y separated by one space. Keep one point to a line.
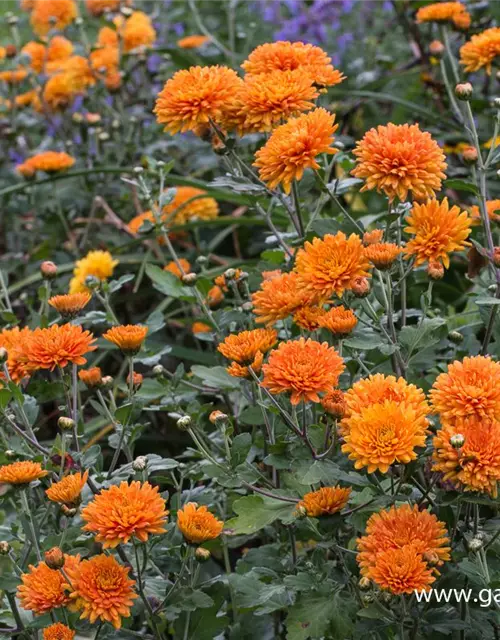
123 512
334 403
303 368
91 377
373 237
98 7
37 53
58 631
193 97
474 466
247 349
104 62
438 230
308 317
137 31
339 321
454 12
48 161
22 472
136 223
57 346
401 571
192 42
14 340
288 56
383 434
383 254
278 298
102 590
468 388
59 91
268 99
481 50
397 159
43 589
52 14
76 69
329 265
59 48
68 490
294 146
128 338
492 209
190 204
99 264
215 296
174 269
71 304
325 501
398 527
13 76
197 524
200 327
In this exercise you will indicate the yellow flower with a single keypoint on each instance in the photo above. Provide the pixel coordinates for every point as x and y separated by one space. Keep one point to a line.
99 264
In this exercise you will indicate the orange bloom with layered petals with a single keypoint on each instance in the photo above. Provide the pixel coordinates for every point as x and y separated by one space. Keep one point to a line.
22 472
14 340
98 7
329 265
68 490
437 230
454 12
43 589
339 321
469 388
383 254
91 377
197 524
293 148
492 209
37 53
200 327
52 14
288 56
401 571
172 267
71 304
481 50
193 97
59 48
57 346
129 338
192 42
373 237
48 161
136 223
278 297
59 91
308 317
304 368
99 264
190 204
101 590
58 631
475 466
325 501
137 31
247 349
123 512
397 159
334 403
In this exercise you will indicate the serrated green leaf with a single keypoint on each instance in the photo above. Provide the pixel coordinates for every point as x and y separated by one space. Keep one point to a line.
255 513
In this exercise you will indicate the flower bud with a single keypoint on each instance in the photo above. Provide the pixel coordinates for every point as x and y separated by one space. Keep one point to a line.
432 558
65 424
230 274
406 489
469 155
91 282
78 21
456 337
54 558
457 441
10 454
218 418
496 257
48 270
12 20
436 48
184 423
10 50
364 584
107 382
104 136
137 380
3 355
189 279
201 554
4 547
368 598
138 170
140 463
475 545
463 91
360 287
496 103
202 260
435 270
300 512
158 370
69 512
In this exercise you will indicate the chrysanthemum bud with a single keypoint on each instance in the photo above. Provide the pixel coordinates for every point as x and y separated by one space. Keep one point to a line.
435 270
247 306
10 50
367 598
107 382
469 155
65 424
10 454
201 554
104 136
115 124
457 441
230 274
496 103
436 48
496 257
201 260
48 270
189 279
456 337
78 21
54 558
300 512
140 463
463 91
406 489
12 20
218 418
69 512
138 170
184 423
91 282
126 11
158 370
4 547
3 355
475 545
360 287
364 584
431 557
137 380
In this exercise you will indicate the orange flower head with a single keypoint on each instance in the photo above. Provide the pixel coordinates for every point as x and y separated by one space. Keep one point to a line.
383 434
70 305
328 265
68 490
215 296
197 524
468 388
43 589
278 297
481 50
57 346
437 230
102 590
128 338
123 512
294 146
136 223
247 349
22 472
137 379
190 204
398 527
334 403
36 52
14 340
48 161
397 159
288 56
267 100
13 76
76 69
52 14
200 327
492 209
373 237
401 571
99 264
193 97
59 91
91 377
325 501
174 269
308 317
454 12
137 31
339 321
59 48
192 42
383 254
98 7
303 368
58 631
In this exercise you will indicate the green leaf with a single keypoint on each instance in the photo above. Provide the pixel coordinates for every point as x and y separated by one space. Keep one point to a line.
311 617
343 185
255 513
31 409
216 377
428 333
461 185
167 283
240 448
250 592
5 397
487 301
122 414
